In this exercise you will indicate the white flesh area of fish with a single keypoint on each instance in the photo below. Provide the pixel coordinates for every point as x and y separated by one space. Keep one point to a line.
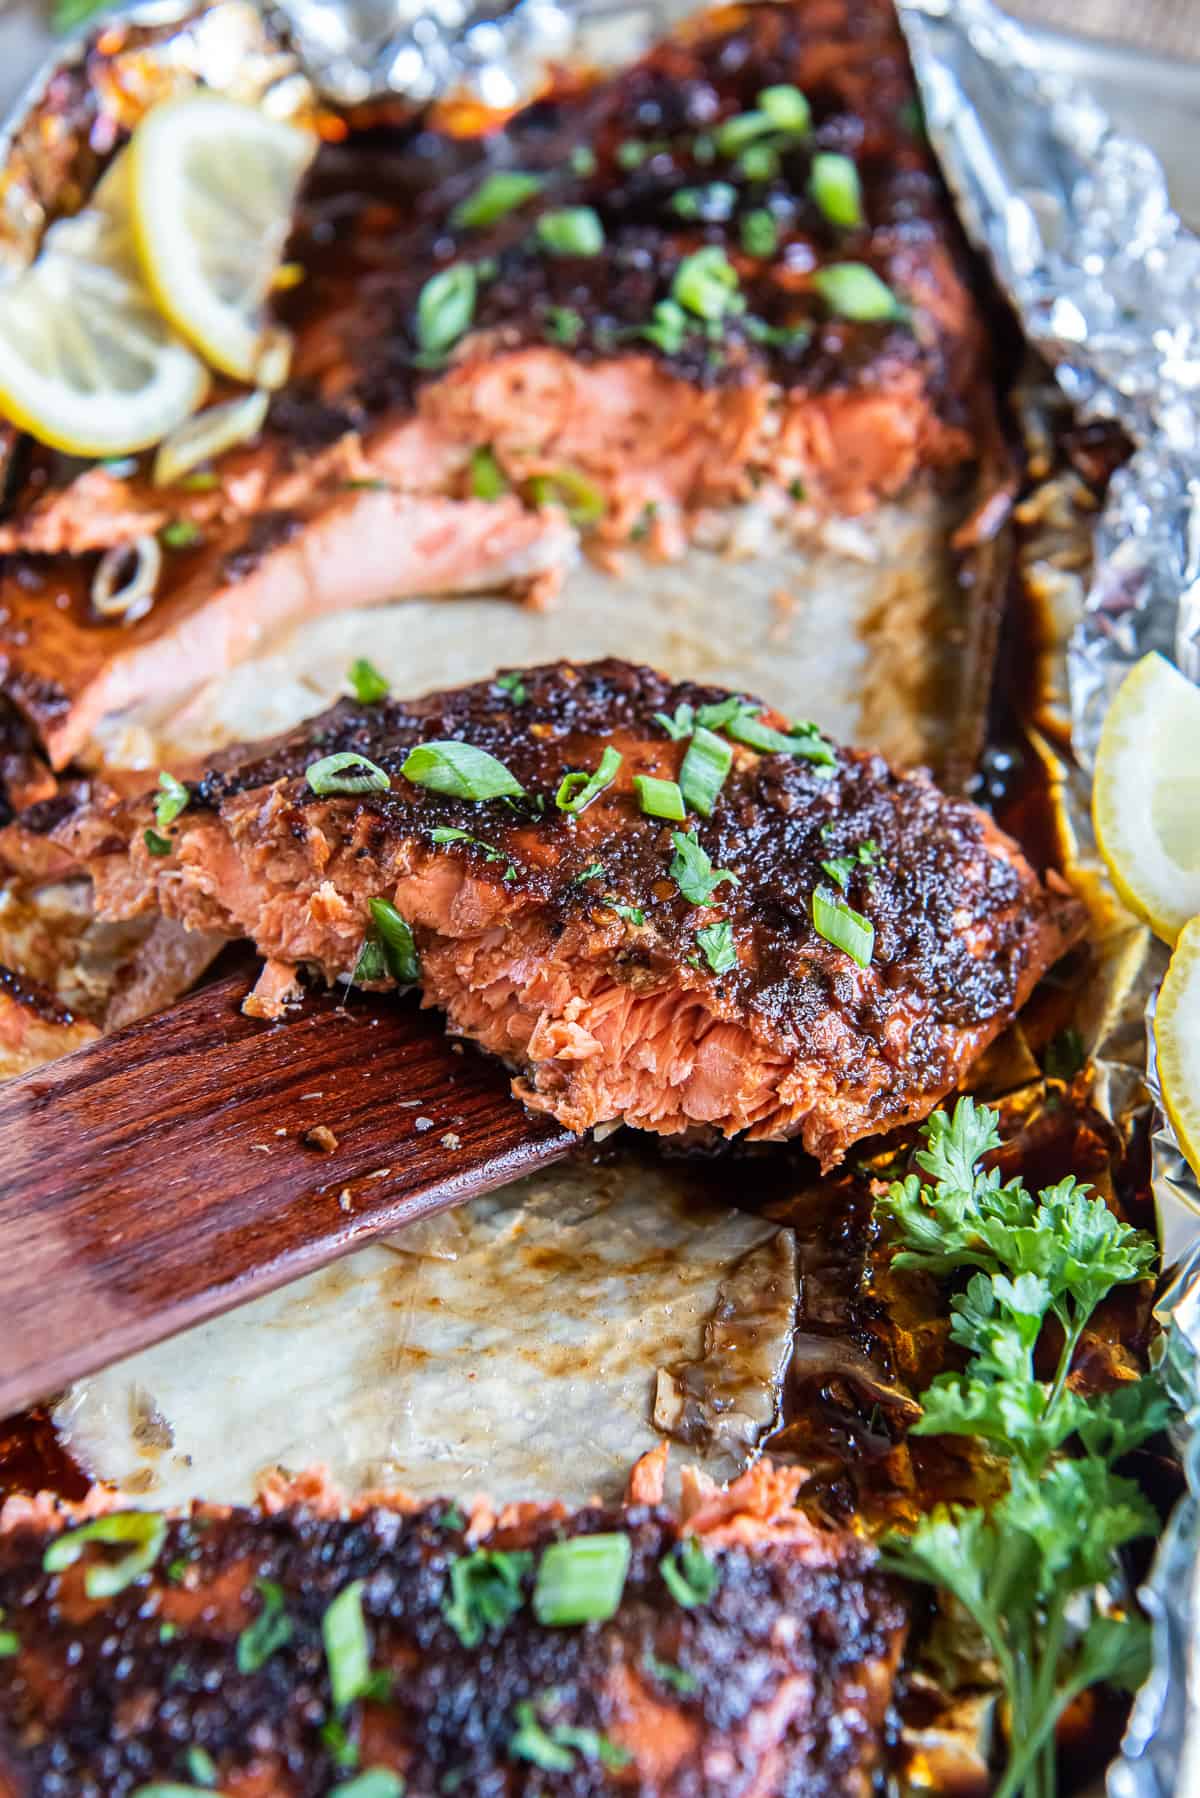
516 1345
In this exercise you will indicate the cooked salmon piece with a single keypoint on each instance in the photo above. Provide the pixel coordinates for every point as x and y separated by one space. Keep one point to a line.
737 1649
687 302
817 945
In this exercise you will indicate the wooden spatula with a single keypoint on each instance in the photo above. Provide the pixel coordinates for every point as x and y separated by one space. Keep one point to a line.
177 1168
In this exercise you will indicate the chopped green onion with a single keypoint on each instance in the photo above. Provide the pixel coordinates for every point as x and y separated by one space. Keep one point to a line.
173 798
347 1650
632 154
331 774
668 327
854 291
591 1744
529 1742
368 685
485 1592
514 686
582 160
680 724
170 1788
398 945
1065 1055
167 1632
270 1630
705 766
803 740
576 791
201 1766
342 1750
461 770
659 798
582 501
202 481
181 533
497 194
581 1580
564 325
842 926
10 1644
632 914
716 940
706 283
835 186
571 231
445 307
841 867
488 479
593 871
147 1530
690 1576
760 233
735 133
714 203
759 162
784 337
786 108
669 1674
693 873
376 1782
450 1519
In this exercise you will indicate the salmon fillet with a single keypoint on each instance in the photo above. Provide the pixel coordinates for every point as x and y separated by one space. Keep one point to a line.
776 1681
593 410
578 945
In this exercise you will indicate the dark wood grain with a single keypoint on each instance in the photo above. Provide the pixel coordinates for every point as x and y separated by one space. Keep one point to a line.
162 1175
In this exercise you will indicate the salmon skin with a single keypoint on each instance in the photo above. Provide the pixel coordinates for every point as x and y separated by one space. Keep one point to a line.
772 1675
678 975
598 383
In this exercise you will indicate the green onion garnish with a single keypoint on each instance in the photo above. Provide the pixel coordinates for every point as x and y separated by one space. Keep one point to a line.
735 133
668 327
203 480
787 108
376 1782
461 770
705 766
706 283
669 1674
582 501
841 867
842 926
760 233
332 774
497 194
485 1592
156 844
446 834
10 1644
268 1632
445 307
759 162
714 203
173 798
397 938
716 940
571 231
201 1766
554 1749
632 154
167 1632
564 325
582 160
576 791
784 337
803 740
854 291
691 1577
450 1519
835 186
170 1788
347 1650
680 724
692 870
181 533
581 1581
146 1530
659 798
343 1752
593 871
514 686
366 682
632 914
488 479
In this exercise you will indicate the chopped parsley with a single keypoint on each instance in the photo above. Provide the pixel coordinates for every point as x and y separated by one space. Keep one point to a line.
497 194
485 1592
716 940
446 307
270 1630
487 479
759 233
564 325
842 926
514 685
693 873
691 1576
713 203
667 1673
554 1748
841 867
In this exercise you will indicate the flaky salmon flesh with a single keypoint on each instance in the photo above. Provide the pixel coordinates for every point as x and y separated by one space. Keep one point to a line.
739 1651
601 385
812 945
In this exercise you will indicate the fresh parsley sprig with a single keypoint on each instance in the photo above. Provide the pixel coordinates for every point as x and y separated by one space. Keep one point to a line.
1038 1570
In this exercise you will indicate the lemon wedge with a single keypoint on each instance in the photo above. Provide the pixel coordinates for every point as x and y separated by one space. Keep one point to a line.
87 363
212 186
1177 1041
1146 795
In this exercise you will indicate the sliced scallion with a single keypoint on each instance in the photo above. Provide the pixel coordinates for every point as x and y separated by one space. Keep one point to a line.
173 798
713 203
10 1644
716 940
571 231
581 500
759 161
854 291
668 327
268 1632
346 772
706 283
497 194
581 1580
735 133
397 938
530 1742
691 1576
445 307
564 325
171 1788
659 798
366 682
705 766
376 1782
342 1749
156 844
145 1530
668 1673
461 770
576 791
486 1590
514 685
678 724
582 161
803 740
201 1766
488 479
347 1649
759 233
835 186
692 870
842 926
787 109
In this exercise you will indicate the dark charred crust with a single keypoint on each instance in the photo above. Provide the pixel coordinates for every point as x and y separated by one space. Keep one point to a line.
34 998
125 1705
267 531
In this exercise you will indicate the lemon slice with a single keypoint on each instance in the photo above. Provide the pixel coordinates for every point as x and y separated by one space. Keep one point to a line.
87 363
1177 1041
1146 797
212 185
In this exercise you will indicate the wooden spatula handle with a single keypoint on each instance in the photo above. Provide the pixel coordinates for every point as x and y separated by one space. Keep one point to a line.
179 1167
